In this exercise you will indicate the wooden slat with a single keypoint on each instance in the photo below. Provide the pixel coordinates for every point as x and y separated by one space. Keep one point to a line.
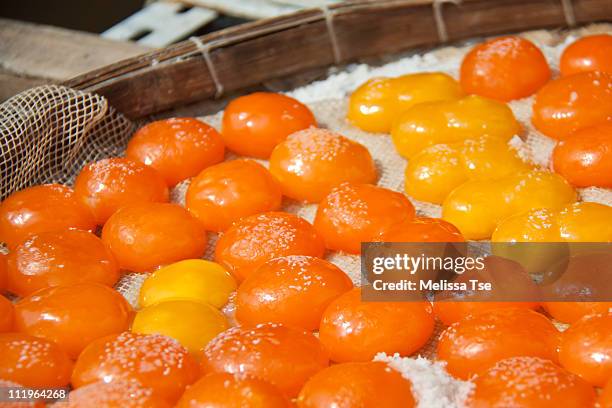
164 22
304 3
253 53
11 84
39 51
251 9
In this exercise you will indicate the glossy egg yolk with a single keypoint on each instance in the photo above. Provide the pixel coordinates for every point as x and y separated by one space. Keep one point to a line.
422 229
450 312
7 315
3 272
281 355
477 342
145 236
586 348
585 158
504 68
45 208
536 189
73 316
109 184
223 193
292 290
437 170
253 240
192 279
477 207
355 330
33 362
529 382
178 148
309 163
573 102
433 123
378 102
570 312
154 361
354 213
434 172
191 323
578 222
590 53
60 258
538 225
254 124
117 394
349 385
223 390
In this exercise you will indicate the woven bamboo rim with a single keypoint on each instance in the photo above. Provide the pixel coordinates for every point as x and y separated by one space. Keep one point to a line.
246 55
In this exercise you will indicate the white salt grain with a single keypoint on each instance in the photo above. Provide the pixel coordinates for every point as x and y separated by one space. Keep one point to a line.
432 386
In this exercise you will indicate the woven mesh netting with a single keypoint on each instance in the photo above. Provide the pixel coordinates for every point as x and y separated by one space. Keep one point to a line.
48 133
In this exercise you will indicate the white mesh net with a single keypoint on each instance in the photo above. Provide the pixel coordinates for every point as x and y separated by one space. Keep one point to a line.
48 133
